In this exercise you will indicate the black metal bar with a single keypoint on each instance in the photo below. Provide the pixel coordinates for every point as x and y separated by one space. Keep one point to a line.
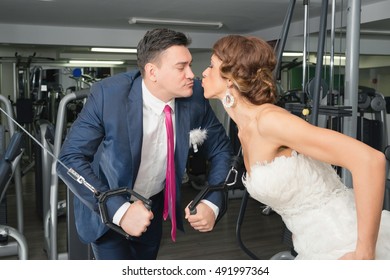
240 219
224 187
282 41
102 200
319 64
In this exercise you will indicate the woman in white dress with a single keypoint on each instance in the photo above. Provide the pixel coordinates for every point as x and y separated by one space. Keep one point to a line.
289 161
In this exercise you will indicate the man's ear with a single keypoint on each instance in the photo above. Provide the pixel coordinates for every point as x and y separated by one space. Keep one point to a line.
150 72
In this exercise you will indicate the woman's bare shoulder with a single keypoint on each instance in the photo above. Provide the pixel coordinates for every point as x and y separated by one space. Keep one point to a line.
272 120
270 113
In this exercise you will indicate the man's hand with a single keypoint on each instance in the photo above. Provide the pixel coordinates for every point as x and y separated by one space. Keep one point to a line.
136 219
203 220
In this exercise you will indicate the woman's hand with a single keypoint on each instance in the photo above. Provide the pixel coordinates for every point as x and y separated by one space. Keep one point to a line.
355 256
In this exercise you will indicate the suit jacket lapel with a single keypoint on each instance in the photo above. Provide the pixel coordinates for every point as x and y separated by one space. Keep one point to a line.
182 123
135 125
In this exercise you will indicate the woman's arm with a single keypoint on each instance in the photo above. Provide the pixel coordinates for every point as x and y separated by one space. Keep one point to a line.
366 165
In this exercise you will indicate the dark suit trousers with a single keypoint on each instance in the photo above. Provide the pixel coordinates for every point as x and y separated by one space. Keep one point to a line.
113 246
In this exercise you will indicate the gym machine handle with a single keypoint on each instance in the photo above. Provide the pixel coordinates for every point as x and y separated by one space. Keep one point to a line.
202 194
230 180
102 199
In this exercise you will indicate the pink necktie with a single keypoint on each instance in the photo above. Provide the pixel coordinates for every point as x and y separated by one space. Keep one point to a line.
170 183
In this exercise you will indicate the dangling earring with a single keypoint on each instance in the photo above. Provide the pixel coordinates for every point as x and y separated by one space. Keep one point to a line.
228 99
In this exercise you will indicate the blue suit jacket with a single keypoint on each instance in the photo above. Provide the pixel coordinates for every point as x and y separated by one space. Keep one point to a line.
104 146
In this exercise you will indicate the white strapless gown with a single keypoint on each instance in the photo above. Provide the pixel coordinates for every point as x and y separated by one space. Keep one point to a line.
315 206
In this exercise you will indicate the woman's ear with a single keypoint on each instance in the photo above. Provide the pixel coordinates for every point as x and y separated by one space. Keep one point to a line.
229 83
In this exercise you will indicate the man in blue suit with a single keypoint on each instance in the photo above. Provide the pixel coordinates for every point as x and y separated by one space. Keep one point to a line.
119 140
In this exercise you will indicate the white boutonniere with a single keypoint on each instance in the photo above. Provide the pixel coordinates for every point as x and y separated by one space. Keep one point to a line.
197 137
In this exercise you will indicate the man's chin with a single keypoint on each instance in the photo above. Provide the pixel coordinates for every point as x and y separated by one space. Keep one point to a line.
189 94
184 94
188 91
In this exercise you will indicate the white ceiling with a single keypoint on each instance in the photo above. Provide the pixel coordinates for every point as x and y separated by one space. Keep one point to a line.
238 16
71 25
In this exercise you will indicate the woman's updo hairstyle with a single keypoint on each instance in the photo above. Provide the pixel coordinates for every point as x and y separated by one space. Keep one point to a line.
249 62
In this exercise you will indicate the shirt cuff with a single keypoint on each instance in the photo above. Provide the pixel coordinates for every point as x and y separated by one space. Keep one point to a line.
120 212
214 207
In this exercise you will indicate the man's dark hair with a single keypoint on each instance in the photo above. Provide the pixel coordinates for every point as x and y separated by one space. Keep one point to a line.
155 42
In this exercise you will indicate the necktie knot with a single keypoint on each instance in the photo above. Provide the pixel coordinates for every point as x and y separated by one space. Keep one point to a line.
167 109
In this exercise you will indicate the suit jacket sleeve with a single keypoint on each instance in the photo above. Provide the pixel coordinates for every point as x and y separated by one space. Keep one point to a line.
96 140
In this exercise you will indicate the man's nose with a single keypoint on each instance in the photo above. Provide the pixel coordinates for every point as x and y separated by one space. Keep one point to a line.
190 74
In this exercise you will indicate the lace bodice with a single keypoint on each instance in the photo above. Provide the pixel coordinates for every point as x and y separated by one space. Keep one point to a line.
293 184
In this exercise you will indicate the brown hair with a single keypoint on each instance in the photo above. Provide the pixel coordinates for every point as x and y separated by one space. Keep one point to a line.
155 42
248 62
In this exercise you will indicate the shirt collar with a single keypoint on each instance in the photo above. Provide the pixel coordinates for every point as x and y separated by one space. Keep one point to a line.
153 103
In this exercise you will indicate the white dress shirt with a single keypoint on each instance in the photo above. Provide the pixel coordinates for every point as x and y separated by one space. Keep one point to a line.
151 174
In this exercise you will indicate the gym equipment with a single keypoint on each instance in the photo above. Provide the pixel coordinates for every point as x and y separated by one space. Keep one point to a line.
10 249
43 162
230 181
371 122
103 197
76 249
8 165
